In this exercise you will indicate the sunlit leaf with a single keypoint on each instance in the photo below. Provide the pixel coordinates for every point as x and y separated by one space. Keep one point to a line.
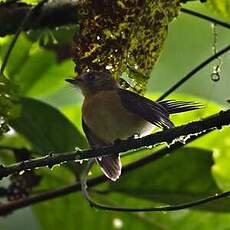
222 8
37 63
51 80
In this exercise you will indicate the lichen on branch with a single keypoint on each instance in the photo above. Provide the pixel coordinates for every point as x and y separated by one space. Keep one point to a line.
122 36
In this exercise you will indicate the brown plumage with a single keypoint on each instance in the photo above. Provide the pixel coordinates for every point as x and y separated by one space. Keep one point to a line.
110 113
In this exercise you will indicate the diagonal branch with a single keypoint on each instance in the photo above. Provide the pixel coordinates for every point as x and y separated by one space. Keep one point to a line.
205 17
168 136
15 205
194 71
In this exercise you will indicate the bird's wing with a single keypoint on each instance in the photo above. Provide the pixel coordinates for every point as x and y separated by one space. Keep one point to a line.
110 165
149 110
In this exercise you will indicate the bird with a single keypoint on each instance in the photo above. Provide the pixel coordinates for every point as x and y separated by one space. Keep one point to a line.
111 113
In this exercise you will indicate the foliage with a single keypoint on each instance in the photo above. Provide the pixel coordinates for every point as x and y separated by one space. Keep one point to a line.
47 119
221 8
8 103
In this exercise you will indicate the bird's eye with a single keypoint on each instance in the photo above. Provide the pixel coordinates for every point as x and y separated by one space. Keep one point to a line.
91 76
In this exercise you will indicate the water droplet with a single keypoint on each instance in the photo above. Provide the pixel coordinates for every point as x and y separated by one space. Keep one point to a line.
136 66
21 172
215 76
117 223
109 67
77 149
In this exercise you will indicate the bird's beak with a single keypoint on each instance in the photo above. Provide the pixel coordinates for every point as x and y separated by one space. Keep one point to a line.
74 81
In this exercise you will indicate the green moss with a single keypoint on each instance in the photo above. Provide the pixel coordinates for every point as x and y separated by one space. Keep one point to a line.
122 36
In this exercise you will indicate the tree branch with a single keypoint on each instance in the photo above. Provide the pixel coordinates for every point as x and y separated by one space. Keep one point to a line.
52 14
34 199
168 136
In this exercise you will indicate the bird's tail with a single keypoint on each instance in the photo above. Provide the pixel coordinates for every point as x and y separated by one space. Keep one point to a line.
111 166
179 106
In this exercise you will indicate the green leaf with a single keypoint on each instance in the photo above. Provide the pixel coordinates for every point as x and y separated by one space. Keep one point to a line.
72 211
222 8
37 63
51 80
46 128
184 176
218 141
18 56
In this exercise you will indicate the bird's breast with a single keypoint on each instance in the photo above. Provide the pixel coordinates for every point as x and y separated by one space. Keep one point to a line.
109 120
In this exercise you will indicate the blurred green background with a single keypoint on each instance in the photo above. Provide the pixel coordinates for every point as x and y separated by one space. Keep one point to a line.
188 43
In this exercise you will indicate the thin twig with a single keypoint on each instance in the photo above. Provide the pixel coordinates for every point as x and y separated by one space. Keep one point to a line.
176 207
205 17
15 205
168 136
193 71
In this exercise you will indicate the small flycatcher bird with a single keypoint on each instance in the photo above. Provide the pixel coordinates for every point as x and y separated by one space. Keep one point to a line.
110 113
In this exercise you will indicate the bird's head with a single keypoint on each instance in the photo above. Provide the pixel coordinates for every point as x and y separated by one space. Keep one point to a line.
94 81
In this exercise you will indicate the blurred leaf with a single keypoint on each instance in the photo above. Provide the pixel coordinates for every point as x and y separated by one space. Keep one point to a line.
46 128
18 55
184 176
37 63
41 74
72 211
222 8
218 141
221 157
53 79
36 70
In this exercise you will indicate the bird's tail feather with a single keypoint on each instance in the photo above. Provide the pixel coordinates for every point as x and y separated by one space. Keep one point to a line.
179 106
111 166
